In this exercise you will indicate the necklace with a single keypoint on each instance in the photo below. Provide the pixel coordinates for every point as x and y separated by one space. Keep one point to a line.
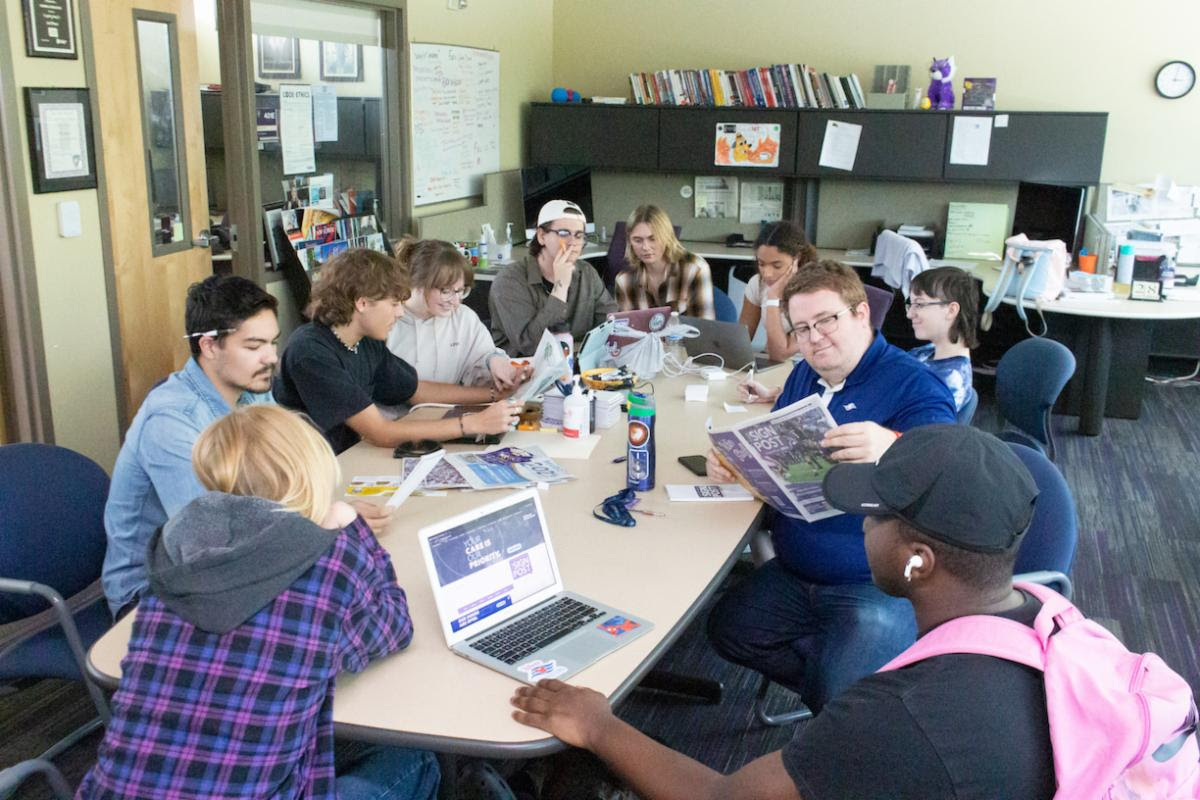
352 348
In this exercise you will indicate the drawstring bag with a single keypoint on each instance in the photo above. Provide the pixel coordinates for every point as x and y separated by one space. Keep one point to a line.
1032 270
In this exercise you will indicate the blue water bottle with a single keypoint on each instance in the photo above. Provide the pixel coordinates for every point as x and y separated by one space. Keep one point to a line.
639 464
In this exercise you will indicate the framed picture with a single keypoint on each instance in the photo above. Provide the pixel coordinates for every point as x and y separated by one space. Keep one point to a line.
61 153
49 28
278 57
341 61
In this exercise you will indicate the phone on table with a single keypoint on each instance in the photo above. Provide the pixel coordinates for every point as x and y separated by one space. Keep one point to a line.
697 464
416 449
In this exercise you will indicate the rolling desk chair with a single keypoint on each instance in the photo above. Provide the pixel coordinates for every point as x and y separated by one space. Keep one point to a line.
724 307
878 301
967 412
1029 378
52 545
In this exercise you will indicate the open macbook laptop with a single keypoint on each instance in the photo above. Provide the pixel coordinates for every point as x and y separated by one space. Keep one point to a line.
729 340
500 597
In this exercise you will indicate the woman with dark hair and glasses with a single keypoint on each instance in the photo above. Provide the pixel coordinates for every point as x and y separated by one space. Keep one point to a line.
550 287
441 338
943 306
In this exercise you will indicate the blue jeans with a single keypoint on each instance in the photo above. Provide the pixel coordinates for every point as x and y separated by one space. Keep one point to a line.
814 639
390 773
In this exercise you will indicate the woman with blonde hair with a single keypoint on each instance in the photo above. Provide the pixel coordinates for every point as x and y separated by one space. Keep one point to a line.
261 592
661 271
443 339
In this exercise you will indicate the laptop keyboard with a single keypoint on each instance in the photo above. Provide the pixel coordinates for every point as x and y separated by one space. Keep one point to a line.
530 633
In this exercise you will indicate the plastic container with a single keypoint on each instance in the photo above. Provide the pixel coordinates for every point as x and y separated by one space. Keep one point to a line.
1125 264
1087 262
1166 274
639 463
577 414
483 249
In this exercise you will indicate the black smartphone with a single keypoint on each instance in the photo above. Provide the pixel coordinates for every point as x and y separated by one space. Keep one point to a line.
697 464
416 449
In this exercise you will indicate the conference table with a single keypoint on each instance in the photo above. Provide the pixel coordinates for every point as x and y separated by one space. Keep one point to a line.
664 569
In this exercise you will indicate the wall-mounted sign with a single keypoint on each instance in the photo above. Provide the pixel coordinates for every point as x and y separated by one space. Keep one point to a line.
50 28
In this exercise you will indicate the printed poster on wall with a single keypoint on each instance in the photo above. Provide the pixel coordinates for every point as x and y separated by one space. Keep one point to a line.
296 128
743 144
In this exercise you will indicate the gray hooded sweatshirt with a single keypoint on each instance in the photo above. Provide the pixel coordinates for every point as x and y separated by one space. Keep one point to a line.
224 557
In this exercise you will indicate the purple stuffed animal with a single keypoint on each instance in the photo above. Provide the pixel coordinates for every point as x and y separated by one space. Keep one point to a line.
941 85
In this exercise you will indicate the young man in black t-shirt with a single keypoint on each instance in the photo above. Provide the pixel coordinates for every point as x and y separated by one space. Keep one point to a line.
948 507
338 369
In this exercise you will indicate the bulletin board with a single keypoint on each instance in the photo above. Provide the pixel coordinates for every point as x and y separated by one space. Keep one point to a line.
455 120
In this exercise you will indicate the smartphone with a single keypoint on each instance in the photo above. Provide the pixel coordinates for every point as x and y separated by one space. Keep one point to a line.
415 449
697 464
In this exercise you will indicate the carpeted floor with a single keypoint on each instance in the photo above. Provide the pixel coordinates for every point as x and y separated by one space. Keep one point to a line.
1137 571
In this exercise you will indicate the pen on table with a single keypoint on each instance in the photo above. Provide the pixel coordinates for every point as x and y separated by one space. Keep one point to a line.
619 459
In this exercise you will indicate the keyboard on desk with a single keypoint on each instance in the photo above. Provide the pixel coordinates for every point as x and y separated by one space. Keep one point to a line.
530 633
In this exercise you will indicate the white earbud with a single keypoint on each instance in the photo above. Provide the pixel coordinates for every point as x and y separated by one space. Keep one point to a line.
913 563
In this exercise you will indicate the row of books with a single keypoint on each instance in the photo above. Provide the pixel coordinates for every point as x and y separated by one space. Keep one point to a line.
776 86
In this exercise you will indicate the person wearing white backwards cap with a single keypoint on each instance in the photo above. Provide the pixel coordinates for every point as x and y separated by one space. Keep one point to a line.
549 288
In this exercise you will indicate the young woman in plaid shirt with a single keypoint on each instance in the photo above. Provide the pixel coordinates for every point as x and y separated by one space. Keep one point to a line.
661 271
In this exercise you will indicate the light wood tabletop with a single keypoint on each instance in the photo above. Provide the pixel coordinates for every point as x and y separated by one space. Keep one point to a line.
664 569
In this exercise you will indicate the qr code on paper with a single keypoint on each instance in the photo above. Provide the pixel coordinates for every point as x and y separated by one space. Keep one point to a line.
709 490
521 566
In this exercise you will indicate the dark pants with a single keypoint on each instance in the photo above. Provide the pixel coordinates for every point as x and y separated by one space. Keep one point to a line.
811 638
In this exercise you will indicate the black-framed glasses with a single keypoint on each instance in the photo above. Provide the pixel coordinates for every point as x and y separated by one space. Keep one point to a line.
567 233
920 304
462 293
823 326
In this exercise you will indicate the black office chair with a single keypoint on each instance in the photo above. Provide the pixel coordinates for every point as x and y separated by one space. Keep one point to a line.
52 546
12 778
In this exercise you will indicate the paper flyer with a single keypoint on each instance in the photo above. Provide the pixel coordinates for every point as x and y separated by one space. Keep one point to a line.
716 197
742 144
761 202
296 128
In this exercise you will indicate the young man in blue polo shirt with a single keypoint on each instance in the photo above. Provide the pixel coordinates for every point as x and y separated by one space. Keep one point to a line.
810 619
232 331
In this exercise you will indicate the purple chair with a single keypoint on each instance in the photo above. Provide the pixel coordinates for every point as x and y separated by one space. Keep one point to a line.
879 301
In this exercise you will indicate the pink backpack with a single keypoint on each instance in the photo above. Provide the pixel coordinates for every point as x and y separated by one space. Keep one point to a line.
1122 724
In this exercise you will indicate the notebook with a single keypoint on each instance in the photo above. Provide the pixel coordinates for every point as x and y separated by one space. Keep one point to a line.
500 596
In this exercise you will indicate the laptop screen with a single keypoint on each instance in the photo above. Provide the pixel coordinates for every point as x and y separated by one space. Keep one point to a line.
489 563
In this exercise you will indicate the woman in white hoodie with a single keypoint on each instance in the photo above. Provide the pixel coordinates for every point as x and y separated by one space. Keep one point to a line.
442 338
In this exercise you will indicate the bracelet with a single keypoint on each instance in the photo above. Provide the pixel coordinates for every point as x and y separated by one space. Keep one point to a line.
462 429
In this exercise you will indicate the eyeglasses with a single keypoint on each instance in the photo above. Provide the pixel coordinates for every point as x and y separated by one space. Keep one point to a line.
566 233
462 293
920 304
823 326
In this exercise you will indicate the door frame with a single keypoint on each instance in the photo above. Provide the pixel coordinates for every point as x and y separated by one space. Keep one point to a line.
26 415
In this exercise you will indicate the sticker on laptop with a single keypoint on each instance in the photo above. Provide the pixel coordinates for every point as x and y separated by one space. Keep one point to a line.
538 669
617 626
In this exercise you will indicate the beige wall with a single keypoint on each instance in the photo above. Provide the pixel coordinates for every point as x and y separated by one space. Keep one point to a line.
73 299
1070 55
522 33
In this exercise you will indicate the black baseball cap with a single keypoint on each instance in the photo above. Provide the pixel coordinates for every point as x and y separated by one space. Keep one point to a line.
954 483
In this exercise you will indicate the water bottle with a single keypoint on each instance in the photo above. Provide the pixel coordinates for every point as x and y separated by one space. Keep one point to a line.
1125 264
639 463
673 346
483 248
1166 274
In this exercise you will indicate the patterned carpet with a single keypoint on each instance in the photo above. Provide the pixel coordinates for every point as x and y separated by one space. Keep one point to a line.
1137 571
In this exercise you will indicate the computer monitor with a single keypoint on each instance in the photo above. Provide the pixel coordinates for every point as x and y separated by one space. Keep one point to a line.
540 185
1046 211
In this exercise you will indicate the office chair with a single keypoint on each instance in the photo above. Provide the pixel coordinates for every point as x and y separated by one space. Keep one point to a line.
723 306
1029 378
1048 549
52 546
12 777
967 412
878 301
1045 557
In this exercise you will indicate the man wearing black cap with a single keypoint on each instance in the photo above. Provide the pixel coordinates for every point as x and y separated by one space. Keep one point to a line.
947 506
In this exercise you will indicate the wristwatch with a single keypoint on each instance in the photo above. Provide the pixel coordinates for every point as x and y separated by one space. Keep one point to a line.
771 302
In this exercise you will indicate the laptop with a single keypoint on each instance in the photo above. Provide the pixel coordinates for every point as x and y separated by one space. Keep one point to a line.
648 320
729 340
500 596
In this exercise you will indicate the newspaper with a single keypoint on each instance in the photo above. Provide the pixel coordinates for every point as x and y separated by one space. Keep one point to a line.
442 476
507 467
549 364
779 455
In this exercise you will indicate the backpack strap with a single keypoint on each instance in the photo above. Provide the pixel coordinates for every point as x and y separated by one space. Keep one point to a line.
1057 611
1007 273
979 634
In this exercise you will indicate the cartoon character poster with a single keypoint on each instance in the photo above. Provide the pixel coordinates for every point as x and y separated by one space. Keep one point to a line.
741 144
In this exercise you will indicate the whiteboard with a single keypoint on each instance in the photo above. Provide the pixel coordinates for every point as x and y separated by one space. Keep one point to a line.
455 120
